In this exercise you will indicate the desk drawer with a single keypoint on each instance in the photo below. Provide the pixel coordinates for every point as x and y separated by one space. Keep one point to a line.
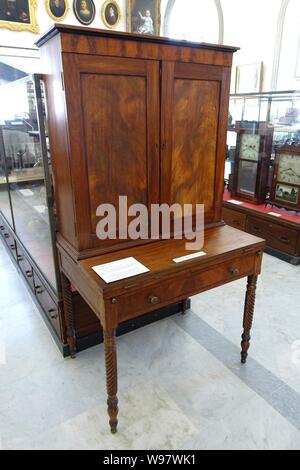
183 286
49 306
234 218
276 236
25 266
9 240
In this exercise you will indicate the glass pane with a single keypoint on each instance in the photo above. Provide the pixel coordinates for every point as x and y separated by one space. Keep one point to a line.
26 172
252 110
247 177
4 197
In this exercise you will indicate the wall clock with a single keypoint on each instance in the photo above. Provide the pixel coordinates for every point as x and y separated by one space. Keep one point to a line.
252 160
285 190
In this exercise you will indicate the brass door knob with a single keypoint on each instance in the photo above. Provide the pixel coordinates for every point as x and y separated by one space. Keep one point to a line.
153 300
234 271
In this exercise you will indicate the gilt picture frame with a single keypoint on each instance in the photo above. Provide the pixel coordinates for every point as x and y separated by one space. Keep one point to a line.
111 14
57 9
19 16
138 18
249 78
85 11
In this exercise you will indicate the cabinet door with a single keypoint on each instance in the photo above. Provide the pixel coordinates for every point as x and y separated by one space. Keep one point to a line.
113 116
194 124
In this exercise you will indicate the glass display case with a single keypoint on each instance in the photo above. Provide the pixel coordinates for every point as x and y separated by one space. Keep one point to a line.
26 196
280 110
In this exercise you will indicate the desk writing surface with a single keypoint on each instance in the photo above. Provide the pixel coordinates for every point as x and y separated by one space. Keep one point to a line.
158 256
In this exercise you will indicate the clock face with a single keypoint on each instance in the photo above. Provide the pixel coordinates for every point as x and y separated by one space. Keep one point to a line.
249 147
289 169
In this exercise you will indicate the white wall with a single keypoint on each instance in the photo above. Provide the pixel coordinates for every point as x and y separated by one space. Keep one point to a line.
289 49
27 39
250 24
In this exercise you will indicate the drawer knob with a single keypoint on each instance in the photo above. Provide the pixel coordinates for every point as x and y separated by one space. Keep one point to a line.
20 258
1 227
256 229
114 301
52 314
12 246
153 300
28 273
39 289
234 271
6 235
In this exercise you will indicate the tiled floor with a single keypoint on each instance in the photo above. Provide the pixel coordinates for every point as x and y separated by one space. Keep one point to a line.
181 383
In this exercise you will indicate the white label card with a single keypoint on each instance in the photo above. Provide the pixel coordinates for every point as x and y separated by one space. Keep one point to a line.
274 214
238 203
41 209
26 192
188 257
121 269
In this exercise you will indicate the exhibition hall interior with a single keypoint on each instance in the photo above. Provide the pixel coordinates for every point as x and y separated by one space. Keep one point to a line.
150 225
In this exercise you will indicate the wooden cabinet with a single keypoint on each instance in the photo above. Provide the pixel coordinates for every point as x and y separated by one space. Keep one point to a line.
282 236
141 117
234 218
277 236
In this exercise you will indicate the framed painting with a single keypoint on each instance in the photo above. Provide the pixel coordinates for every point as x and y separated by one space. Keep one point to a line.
143 16
111 14
19 15
249 78
57 9
84 11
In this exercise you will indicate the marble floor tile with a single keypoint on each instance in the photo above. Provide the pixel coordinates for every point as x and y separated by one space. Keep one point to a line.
181 384
254 426
149 419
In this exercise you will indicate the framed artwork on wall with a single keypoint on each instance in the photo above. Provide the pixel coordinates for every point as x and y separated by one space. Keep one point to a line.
19 15
249 78
84 11
143 16
57 9
111 14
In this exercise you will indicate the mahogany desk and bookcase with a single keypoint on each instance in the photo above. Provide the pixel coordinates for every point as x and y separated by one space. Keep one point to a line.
145 117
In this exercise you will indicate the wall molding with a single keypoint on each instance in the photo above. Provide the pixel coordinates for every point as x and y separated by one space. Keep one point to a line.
221 20
278 44
169 8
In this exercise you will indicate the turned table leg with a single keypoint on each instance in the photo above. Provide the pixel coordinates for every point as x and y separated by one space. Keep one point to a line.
111 378
248 316
69 314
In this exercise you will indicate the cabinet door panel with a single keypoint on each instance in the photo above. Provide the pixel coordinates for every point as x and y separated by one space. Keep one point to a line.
114 135
194 120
